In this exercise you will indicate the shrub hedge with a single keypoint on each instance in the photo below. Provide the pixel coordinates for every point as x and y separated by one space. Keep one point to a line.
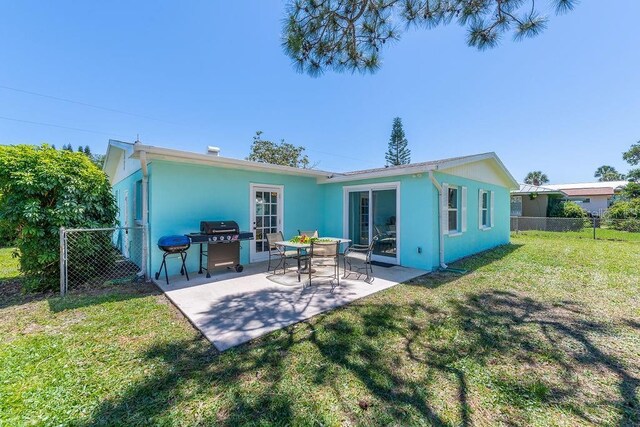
44 189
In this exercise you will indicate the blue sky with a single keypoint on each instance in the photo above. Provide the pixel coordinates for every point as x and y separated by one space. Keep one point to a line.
212 73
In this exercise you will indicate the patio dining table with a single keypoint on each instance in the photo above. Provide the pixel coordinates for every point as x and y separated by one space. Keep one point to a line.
300 246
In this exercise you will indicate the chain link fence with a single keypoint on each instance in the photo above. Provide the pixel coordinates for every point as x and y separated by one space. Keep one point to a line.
603 228
99 256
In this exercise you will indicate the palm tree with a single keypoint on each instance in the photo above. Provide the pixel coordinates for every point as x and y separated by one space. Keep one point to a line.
536 178
608 173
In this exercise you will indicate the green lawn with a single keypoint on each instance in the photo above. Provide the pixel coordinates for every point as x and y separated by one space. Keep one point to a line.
8 265
587 233
545 331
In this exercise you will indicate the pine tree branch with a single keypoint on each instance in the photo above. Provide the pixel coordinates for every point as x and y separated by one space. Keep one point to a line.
349 34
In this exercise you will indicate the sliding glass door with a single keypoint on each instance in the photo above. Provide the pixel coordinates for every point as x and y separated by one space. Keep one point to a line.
373 212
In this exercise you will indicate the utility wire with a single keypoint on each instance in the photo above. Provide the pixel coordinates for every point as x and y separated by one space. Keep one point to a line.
341 156
85 104
60 126
113 110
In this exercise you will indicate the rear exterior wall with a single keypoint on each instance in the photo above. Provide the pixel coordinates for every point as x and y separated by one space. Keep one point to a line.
184 194
181 195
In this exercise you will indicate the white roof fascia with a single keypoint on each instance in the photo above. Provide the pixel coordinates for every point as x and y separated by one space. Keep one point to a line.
436 166
377 174
189 157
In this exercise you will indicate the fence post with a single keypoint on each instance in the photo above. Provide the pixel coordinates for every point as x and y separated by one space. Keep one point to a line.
594 228
63 262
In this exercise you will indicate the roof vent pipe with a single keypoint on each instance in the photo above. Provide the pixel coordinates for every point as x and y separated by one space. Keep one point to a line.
213 151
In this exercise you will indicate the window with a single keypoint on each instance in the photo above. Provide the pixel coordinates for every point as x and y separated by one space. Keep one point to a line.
138 200
485 209
452 207
579 200
516 206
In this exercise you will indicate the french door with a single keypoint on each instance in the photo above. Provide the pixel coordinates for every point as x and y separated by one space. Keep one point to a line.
372 211
266 217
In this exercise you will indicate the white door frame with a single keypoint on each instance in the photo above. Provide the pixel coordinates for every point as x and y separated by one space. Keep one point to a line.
253 187
371 188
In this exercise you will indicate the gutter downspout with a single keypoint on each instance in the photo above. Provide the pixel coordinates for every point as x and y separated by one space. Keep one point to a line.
144 272
440 216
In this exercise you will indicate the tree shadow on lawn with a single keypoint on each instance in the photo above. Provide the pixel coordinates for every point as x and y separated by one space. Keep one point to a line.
12 294
469 264
385 363
100 294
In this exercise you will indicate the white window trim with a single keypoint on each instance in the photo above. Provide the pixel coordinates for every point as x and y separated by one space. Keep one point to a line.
489 208
463 209
458 230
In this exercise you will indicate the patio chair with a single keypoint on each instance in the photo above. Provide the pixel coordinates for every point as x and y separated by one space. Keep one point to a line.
358 259
386 240
279 253
322 255
308 233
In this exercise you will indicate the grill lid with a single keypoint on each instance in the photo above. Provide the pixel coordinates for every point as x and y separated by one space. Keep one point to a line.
219 227
173 241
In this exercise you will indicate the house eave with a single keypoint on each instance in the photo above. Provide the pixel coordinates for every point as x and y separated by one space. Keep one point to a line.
158 153
418 169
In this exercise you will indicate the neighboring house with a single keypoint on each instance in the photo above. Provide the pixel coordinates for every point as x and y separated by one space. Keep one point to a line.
432 212
533 200
593 197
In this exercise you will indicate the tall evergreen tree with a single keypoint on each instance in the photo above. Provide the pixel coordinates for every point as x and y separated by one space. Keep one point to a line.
398 152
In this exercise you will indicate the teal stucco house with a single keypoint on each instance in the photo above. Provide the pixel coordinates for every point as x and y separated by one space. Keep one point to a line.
429 213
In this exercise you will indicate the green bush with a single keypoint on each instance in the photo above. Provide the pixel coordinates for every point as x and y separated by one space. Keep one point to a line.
45 189
567 209
624 216
7 233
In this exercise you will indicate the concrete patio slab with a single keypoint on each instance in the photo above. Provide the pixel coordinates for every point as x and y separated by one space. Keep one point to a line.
232 308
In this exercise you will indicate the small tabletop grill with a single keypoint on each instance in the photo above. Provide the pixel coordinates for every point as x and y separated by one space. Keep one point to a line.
223 245
173 245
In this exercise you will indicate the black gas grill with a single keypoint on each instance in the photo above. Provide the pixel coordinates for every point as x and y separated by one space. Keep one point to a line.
223 245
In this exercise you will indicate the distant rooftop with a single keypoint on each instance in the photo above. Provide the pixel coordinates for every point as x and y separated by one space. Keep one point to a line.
528 189
603 184
598 191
